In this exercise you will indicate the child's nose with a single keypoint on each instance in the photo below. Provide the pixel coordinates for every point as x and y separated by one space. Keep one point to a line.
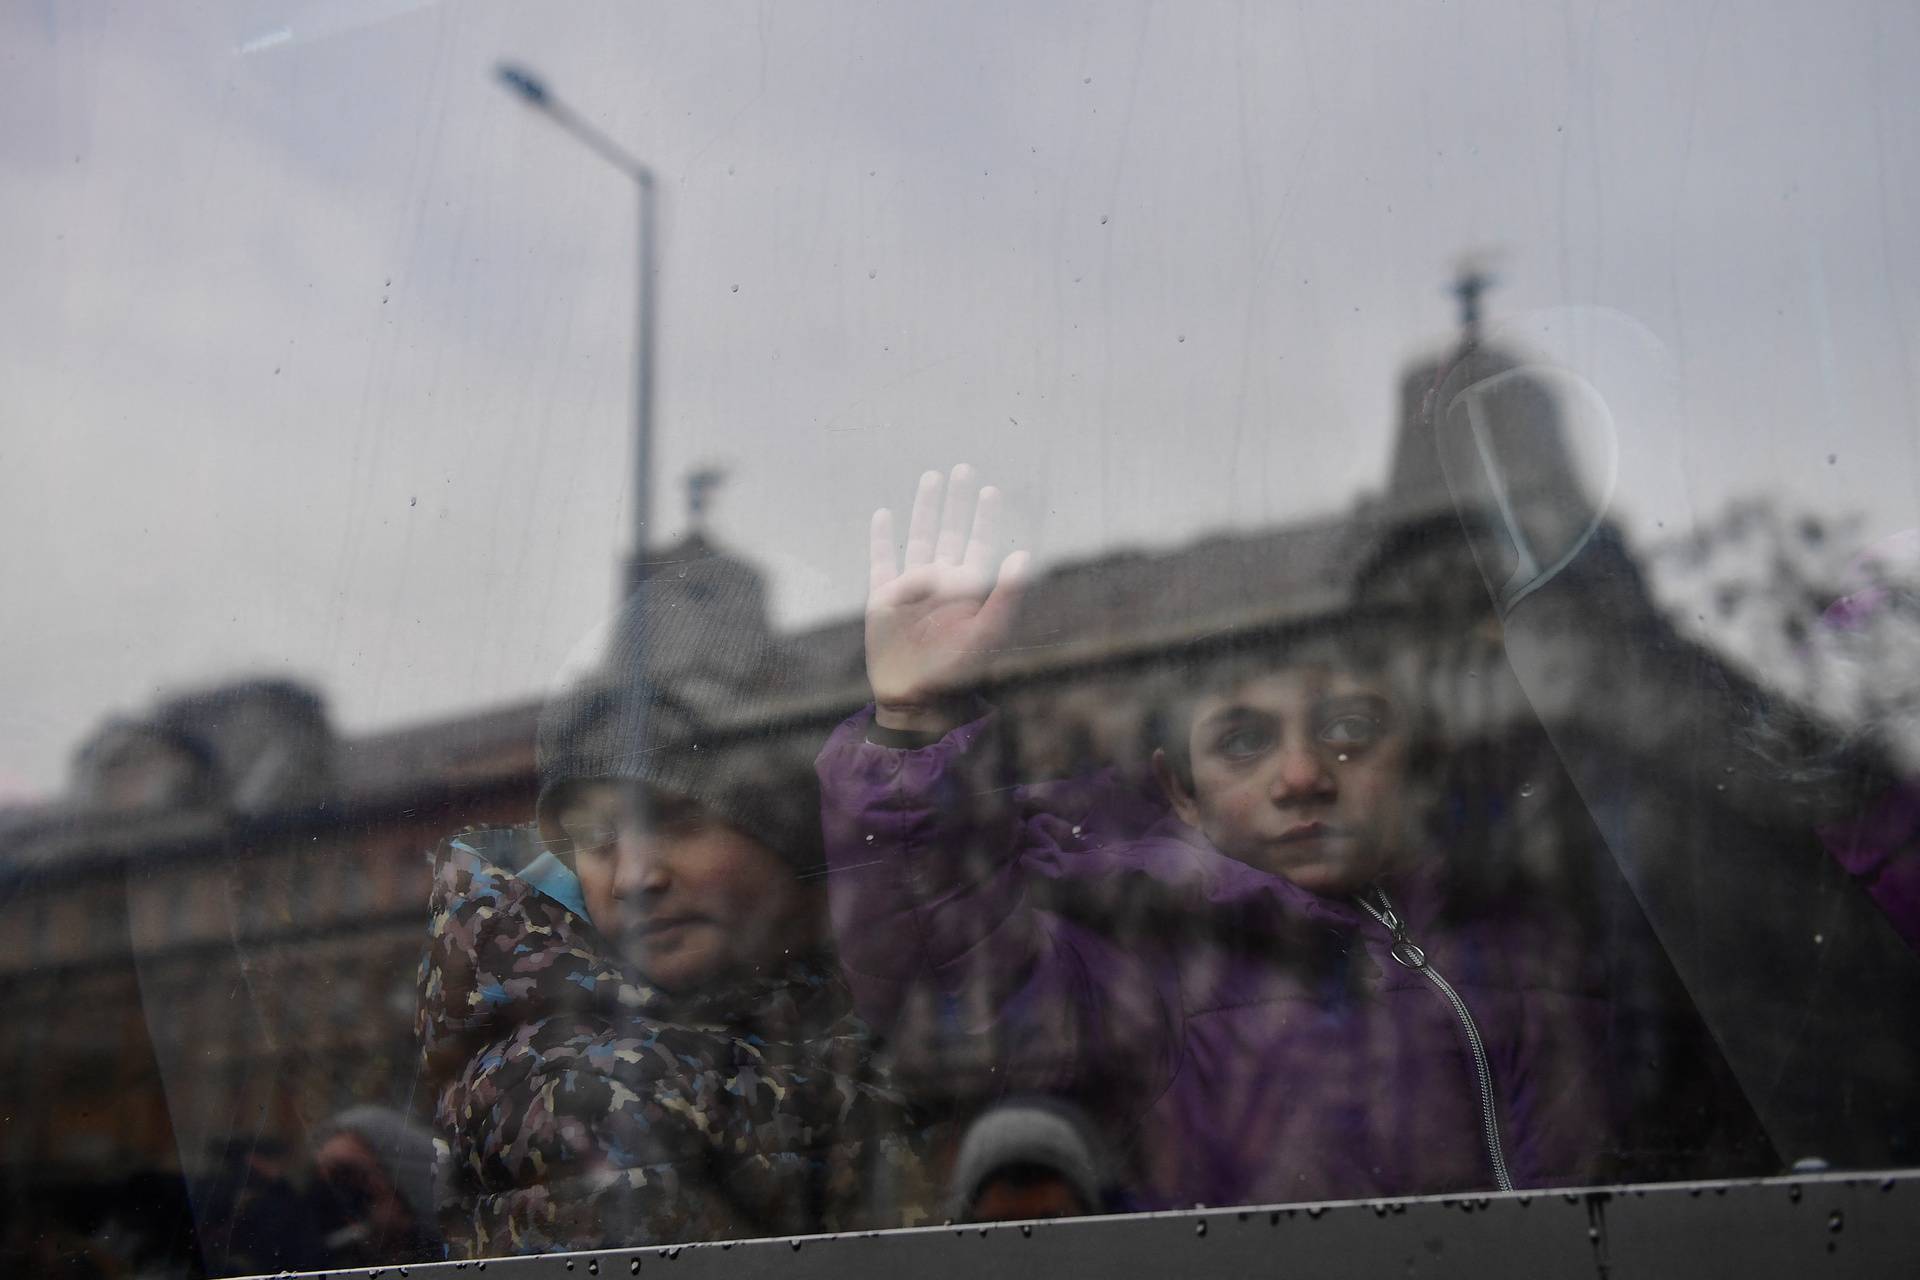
1302 773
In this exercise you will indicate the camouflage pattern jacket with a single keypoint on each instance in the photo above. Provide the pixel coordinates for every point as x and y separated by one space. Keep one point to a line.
577 1106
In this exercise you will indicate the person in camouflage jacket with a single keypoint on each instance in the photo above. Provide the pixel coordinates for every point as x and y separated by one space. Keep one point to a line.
581 1106
625 1047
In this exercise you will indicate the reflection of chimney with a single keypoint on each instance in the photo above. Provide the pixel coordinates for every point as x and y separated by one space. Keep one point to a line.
701 482
700 485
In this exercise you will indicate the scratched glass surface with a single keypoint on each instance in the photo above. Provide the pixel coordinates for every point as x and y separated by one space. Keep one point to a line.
1389 666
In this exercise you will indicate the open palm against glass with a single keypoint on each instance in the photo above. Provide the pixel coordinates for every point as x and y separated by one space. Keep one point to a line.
935 618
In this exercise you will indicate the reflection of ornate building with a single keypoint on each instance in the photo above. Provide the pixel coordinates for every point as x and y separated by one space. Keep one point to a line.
217 935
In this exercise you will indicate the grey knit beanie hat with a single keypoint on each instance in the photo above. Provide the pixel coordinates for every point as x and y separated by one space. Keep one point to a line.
681 704
1040 1131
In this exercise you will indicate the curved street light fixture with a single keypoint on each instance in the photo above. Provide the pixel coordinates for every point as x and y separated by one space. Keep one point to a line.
531 89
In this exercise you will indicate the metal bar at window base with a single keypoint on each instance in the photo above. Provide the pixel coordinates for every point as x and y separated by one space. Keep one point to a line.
1854 1225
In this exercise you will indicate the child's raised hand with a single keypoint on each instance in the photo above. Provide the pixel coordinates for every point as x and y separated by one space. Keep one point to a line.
934 621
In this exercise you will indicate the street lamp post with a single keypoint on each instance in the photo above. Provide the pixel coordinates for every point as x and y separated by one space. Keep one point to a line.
534 92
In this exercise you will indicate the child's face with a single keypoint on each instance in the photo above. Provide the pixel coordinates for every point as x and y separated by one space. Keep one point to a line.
1300 772
686 897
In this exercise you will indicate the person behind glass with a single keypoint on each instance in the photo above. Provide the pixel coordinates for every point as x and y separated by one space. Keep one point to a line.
641 1037
1028 1158
373 1188
1264 996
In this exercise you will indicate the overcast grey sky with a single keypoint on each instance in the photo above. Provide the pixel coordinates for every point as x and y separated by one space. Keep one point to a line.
317 342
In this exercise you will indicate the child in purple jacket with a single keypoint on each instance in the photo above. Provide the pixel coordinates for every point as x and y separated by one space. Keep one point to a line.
1271 993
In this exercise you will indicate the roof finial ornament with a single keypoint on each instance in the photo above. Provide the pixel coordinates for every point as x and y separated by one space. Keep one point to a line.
1472 278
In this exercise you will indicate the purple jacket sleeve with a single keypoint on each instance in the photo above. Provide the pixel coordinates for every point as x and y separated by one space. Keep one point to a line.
935 864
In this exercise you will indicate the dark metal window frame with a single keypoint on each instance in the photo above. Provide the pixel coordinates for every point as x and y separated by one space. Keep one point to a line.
1823 1224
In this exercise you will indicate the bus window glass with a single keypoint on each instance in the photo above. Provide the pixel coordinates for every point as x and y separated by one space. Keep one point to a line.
692 622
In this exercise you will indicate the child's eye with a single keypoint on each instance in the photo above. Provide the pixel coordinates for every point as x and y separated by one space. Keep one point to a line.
1351 731
1242 744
